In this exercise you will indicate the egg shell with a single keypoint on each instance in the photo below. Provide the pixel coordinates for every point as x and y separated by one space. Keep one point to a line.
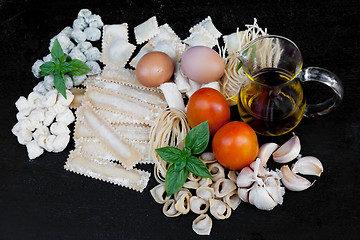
154 68
202 64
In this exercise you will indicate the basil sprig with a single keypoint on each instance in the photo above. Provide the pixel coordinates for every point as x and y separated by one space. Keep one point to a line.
183 161
62 64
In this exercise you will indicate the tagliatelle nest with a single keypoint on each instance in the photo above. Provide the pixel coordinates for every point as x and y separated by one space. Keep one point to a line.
169 129
233 80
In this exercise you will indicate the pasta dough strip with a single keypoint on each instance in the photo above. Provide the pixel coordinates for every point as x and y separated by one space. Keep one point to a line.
127 154
92 146
106 171
129 131
119 118
144 95
121 103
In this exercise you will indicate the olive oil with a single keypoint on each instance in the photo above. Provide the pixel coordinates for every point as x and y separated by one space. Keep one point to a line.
272 103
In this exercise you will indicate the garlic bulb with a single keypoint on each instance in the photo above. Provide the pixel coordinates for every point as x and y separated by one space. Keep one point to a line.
288 151
260 187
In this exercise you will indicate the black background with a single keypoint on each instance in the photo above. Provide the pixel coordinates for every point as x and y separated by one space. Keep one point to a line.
40 200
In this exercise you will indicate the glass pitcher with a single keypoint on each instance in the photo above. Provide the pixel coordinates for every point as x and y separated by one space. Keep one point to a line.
273 102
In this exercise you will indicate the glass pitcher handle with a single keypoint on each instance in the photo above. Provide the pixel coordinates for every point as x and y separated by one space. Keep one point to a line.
328 78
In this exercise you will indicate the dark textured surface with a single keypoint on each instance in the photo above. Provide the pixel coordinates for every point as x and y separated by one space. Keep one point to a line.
40 200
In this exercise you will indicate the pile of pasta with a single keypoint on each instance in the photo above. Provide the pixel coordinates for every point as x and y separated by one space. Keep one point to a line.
120 123
218 195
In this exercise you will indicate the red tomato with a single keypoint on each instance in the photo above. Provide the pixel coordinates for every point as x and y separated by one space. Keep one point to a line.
235 145
208 104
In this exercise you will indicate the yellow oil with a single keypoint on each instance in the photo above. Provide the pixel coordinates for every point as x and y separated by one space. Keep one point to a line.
272 103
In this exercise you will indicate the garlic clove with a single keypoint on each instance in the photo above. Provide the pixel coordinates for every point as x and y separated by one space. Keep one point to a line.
309 166
245 178
265 152
273 187
260 198
261 171
243 194
288 151
292 181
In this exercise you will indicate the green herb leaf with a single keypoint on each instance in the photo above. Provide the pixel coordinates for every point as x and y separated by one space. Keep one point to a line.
56 50
197 167
174 180
180 164
186 152
169 154
68 58
47 68
198 138
78 67
65 67
63 58
239 66
59 82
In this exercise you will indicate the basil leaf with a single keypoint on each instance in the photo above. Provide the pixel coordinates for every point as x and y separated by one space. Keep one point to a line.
78 67
239 66
47 68
174 180
186 152
197 167
56 50
65 67
68 58
198 138
63 58
59 82
180 164
169 154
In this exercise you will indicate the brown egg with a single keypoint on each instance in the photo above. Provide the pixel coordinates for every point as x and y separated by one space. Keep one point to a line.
202 64
154 68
